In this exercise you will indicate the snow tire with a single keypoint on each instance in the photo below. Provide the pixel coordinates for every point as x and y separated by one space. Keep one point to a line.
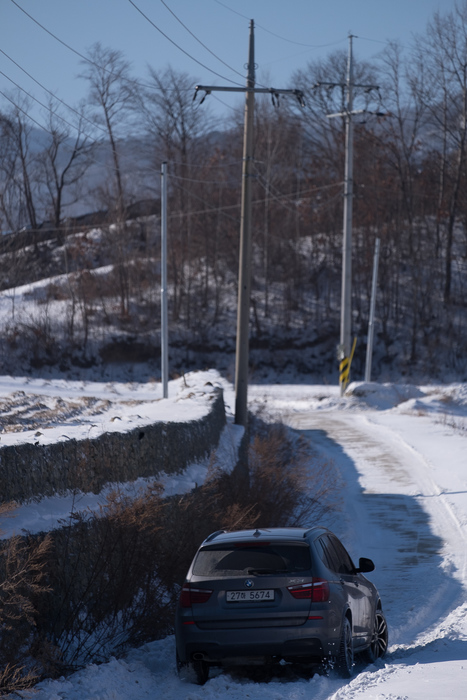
379 641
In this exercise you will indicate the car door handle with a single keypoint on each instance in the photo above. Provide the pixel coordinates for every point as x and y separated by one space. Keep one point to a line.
342 582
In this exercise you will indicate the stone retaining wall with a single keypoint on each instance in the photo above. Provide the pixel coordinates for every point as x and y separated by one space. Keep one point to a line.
30 471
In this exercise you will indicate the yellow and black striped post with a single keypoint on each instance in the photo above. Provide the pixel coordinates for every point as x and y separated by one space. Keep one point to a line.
344 373
344 369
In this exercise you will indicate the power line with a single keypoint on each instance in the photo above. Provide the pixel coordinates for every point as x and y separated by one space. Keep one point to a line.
99 163
81 116
375 41
233 163
231 10
77 53
176 45
54 36
234 109
292 197
73 126
278 36
199 41
56 114
104 164
201 182
24 112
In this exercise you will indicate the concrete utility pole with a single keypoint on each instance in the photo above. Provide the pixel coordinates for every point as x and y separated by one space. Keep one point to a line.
344 348
244 274
371 323
164 314
346 290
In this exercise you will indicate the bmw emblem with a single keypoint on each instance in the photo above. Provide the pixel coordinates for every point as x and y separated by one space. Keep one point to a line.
249 583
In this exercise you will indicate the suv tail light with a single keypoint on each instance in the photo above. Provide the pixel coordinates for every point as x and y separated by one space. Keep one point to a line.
320 590
302 592
190 595
317 591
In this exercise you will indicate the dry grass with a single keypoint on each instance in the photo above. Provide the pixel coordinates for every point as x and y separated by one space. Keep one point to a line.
456 423
109 580
22 581
288 486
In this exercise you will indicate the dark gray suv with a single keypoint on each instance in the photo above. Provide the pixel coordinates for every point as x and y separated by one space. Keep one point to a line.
292 594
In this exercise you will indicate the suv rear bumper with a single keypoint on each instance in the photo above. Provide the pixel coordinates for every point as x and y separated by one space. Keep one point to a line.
221 646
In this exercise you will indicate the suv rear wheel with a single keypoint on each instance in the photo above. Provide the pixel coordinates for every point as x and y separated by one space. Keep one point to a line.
193 672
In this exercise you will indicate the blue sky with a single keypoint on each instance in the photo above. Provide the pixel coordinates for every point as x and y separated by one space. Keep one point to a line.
289 33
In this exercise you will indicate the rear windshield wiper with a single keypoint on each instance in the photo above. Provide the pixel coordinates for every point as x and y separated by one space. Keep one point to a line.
259 572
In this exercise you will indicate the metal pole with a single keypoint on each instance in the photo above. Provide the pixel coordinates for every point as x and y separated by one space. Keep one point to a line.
346 310
244 272
371 328
164 313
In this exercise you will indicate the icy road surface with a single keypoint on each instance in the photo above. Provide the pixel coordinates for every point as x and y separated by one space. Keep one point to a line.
402 454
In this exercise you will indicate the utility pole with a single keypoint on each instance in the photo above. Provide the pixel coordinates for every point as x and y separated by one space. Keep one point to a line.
164 313
344 350
346 289
244 273
371 323
244 265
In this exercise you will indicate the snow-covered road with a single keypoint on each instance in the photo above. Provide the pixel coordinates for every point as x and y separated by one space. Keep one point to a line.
402 456
404 510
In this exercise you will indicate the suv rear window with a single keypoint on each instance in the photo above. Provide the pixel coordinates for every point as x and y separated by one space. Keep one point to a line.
241 559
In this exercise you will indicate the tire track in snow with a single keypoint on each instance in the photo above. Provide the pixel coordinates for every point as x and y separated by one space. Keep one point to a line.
396 514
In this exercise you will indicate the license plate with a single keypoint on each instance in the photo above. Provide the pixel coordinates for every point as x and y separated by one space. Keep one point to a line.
249 596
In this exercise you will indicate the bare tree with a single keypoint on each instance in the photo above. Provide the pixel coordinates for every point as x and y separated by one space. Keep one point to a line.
63 163
18 167
112 95
442 60
177 129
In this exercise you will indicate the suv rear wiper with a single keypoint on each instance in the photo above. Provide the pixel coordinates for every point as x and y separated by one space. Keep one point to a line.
259 572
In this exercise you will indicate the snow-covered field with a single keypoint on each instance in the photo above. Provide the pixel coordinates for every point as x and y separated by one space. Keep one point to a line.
402 454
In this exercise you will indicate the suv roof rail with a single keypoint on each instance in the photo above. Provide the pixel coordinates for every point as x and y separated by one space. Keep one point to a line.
214 534
315 527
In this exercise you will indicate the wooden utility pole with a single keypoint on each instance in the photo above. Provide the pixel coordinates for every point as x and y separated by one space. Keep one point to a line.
244 274
244 265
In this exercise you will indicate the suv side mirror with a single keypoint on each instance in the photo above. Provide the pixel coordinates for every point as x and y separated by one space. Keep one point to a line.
365 565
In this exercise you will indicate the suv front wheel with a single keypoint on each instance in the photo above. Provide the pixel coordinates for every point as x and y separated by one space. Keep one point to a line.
379 641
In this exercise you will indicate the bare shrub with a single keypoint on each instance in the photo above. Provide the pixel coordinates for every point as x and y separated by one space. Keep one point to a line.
22 579
189 519
105 592
288 485
114 575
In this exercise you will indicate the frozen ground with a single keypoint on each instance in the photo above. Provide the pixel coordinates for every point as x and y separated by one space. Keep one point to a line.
401 452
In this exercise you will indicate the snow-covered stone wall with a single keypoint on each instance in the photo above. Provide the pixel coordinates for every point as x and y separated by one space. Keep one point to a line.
29 471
